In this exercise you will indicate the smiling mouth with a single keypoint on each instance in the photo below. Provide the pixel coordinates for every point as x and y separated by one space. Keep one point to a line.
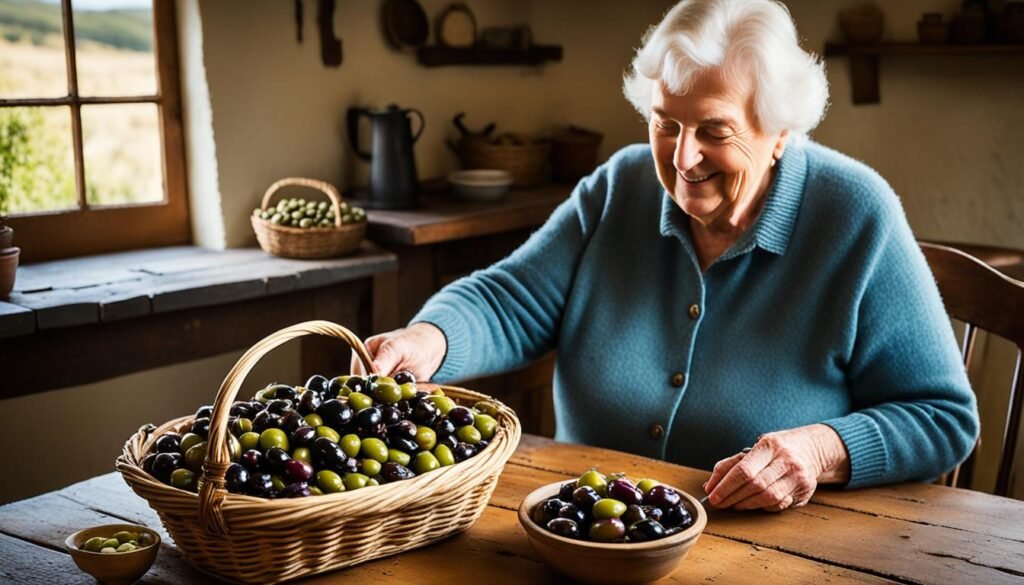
700 179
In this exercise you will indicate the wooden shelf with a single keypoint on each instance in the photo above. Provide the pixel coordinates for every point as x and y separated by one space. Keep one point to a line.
437 56
864 60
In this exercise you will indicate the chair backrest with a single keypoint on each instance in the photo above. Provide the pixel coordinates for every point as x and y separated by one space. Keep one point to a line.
986 299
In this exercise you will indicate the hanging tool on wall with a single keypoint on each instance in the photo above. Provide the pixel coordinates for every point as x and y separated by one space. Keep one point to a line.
330 45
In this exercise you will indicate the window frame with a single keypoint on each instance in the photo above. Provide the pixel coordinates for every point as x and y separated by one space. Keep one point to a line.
87 230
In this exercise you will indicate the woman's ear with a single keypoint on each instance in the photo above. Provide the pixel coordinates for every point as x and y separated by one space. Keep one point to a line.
780 145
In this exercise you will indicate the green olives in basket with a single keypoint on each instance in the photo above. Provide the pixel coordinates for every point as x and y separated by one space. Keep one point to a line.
300 213
329 435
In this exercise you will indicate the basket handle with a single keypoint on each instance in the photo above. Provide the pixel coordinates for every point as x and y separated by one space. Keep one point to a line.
326 188
212 492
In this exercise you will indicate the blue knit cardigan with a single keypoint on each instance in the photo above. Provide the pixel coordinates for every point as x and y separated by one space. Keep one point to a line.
824 311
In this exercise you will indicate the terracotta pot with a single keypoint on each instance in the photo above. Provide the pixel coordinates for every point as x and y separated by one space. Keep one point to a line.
8 267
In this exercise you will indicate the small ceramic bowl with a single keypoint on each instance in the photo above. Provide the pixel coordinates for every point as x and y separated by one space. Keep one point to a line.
113 568
480 184
610 563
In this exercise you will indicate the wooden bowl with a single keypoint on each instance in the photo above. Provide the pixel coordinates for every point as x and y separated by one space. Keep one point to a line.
113 568
610 563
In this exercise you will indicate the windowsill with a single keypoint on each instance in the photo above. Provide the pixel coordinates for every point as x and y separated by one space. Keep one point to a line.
112 287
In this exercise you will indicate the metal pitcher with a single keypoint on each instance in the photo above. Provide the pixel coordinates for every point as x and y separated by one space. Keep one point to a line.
393 180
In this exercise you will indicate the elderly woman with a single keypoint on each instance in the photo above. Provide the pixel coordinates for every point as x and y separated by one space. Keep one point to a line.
730 284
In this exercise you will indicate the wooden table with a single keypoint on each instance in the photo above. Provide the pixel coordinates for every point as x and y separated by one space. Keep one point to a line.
446 238
910 533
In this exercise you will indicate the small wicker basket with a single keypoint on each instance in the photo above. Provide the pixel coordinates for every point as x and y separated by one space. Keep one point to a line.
246 539
526 163
292 242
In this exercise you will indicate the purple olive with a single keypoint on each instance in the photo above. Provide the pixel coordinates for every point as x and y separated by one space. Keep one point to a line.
645 530
275 458
296 470
265 420
566 490
303 436
252 460
317 383
463 451
291 420
201 427
390 415
625 491
404 377
204 412
585 497
165 463
279 406
335 414
392 471
607 530
564 527
403 428
308 402
573 512
663 497
260 485
461 416
295 490
677 516
547 511
632 515
328 455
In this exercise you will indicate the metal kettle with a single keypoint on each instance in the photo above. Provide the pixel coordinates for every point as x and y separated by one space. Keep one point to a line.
393 181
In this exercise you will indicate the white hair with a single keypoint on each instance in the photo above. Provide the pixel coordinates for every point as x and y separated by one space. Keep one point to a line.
756 38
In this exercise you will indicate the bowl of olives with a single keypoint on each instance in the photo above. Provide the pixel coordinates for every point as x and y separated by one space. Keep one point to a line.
609 529
115 554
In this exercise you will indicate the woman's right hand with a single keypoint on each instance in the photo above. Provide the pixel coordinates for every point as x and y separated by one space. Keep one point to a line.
418 349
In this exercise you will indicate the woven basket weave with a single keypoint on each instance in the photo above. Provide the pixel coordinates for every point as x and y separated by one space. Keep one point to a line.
254 540
319 242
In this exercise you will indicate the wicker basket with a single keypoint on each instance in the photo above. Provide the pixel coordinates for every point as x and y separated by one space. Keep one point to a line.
291 242
526 163
254 540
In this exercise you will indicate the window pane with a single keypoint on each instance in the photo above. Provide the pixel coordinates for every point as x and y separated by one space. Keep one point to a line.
35 145
32 60
121 149
114 47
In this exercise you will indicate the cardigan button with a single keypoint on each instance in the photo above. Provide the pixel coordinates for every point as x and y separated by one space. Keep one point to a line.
694 311
657 432
678 379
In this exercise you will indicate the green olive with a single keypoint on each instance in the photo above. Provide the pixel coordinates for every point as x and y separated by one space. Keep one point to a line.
329 482
248 441
443 403
468 434
645 485
241 426
372 482
146 539
234 448
189 440
277 482
126 547
354 481
359 401
488 408
608 508
425 461
370 467
595 480
315 491
195 456
399 457
314 420
326 431
374 448
386 393
351 444
444 455
110 543
302 454
108 550
94 544
486 424
274 438
426 438
408 391
183 479
124 536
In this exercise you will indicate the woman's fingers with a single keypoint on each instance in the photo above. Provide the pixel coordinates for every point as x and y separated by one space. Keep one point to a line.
721 468
746 468
766 488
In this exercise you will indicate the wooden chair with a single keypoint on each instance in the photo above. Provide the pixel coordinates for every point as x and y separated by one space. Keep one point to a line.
984 298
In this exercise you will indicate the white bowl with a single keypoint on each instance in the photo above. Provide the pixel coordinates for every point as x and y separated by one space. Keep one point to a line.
480 184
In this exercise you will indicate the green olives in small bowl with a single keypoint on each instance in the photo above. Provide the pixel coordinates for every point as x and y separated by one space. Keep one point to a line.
588 560
136 551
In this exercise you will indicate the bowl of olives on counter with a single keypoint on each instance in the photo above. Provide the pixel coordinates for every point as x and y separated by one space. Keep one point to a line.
609 529
115 554
327 436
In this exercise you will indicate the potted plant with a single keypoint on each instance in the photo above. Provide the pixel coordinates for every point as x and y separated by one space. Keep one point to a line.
9 137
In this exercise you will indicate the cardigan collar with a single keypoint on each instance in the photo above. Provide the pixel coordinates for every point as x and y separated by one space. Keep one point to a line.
773 227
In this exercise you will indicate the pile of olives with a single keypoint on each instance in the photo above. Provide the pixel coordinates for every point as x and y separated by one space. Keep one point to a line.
613 509
304 214
119 542
331 435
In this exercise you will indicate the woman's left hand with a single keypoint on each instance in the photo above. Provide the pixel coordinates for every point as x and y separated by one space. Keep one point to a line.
781 470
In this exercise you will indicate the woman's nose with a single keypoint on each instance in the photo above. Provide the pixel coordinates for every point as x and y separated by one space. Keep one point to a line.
687 154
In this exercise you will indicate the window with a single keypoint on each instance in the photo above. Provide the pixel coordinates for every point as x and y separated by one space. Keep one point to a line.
91 144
